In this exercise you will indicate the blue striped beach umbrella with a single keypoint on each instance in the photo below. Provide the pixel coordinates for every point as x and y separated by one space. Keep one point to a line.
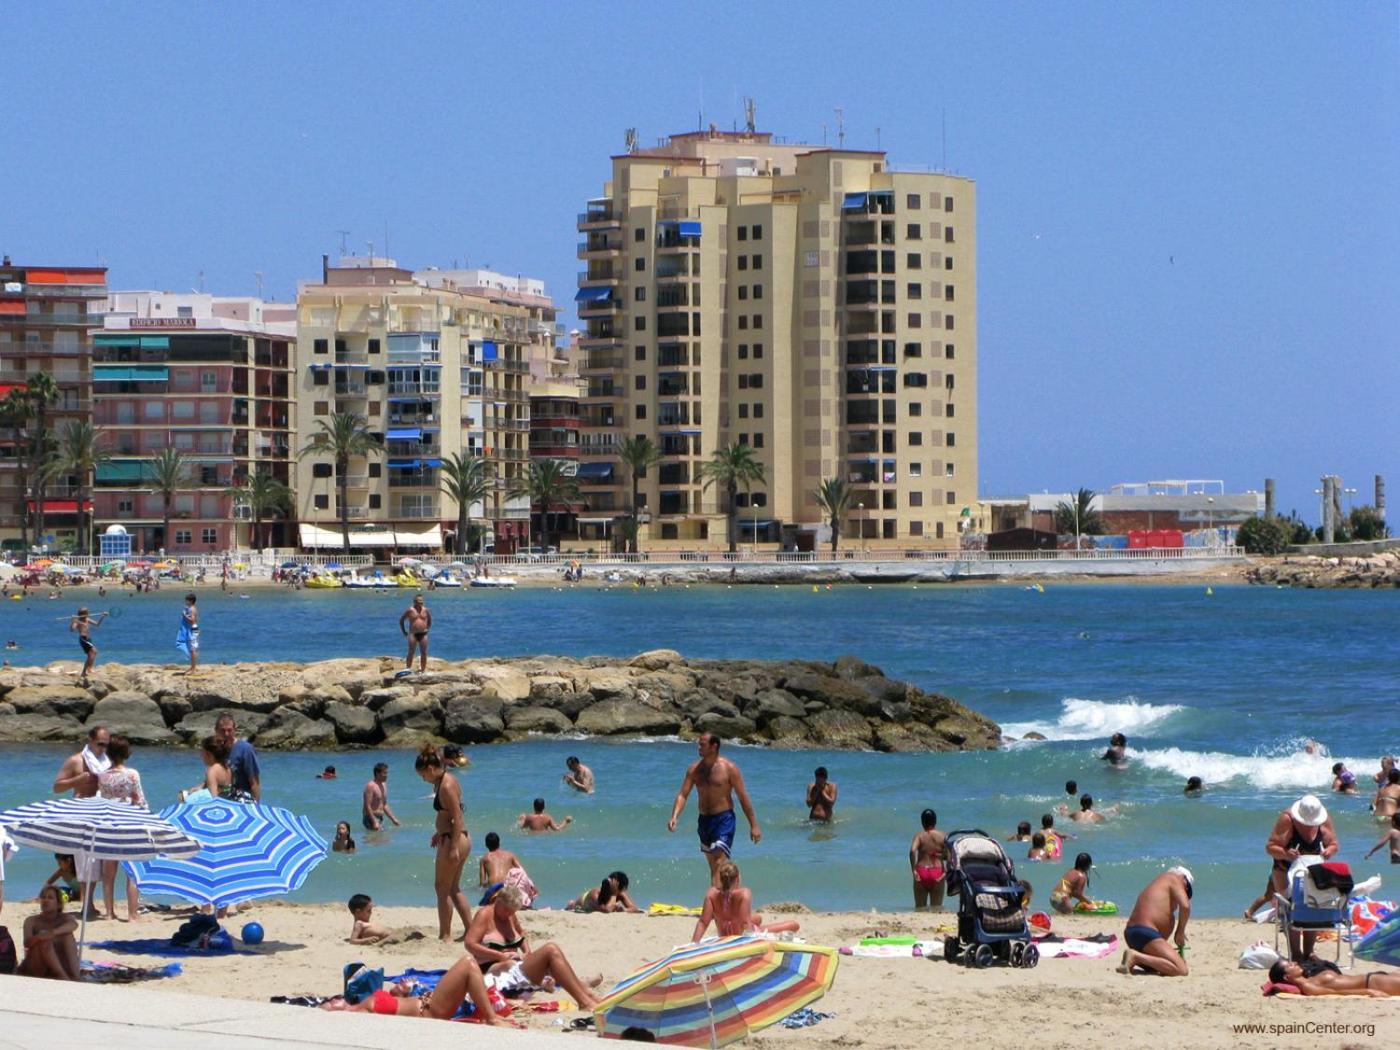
1382 944
249 850
95 829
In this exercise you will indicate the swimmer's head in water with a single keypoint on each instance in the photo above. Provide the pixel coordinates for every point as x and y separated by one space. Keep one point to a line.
1023 828
820 773
1394 776
728 874
1047 821
1086 801
929 819
571 761
539 805
1071 787
1038 840
1118 740
1083 862
493 841
1194 784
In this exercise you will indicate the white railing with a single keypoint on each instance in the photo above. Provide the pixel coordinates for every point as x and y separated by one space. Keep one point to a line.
856 555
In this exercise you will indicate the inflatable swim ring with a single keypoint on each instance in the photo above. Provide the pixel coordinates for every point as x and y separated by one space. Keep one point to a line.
1101 908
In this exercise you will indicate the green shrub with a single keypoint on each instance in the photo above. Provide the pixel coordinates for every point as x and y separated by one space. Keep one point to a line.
1264 536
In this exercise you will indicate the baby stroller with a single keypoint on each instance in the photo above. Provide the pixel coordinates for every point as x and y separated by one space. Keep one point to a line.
991 920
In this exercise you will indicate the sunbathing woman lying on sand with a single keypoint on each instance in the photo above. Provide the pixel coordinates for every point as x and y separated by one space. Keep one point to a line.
730 907
463 980
1378 985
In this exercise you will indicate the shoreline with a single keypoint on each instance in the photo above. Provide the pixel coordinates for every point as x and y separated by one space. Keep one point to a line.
877 1003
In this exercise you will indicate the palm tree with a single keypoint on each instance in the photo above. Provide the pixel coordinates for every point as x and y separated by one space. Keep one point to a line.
169 473
265 497
730 468
15 414
834 499
342 438
640 454
464 480
78 454
1078 517
41 392
547 485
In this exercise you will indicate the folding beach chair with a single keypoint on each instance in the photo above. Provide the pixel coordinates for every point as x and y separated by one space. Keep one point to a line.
1318 901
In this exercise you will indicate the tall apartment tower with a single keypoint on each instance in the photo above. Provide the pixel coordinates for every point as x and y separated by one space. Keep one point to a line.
434 369
48 315
806 301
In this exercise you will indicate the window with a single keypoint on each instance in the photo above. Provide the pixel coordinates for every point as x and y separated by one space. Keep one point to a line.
948 352
340 346
758 441
743 233
639 324
948 322
916 438
948 381
948 410
743 262
374 346
639 234
915 321
915 409
640 382
938 527
743 322
743 439
375 501
758 410
758 320
208 382
916 528
320 470
183 535
743 291
758 262
950 497
758 499
915 379
322 346
209 536
743 410
915 291
757 232
320 377
758 291
916 499
757 350
639 295
756 381
914 261
950 439
125 506
911 201
744 381
948 471
913 350
947 235
322 502
913 232
640 353
208 476
916 470
641 412
947 293
375 469
948 263
947 203
639 265
743 351
321 408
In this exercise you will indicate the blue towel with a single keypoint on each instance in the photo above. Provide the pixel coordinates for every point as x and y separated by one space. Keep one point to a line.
118 973
804 1018
161 948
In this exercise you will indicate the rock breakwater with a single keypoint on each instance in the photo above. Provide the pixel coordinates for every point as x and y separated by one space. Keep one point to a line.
846 704
1374 570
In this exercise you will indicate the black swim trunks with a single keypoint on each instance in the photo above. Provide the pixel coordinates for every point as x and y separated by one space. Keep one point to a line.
86 643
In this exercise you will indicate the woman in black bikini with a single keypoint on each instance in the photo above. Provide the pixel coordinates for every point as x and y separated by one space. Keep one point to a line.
1378 985
450 839
496 940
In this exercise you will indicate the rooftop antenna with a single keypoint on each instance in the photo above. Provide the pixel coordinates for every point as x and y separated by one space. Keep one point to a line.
258 277
945 138
823 133
344 250
877 138
840 128
370 245
201 281
630 137
749 125
386 238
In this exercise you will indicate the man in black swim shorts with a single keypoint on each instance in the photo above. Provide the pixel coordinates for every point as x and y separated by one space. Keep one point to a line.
82 623
415 623
1165 901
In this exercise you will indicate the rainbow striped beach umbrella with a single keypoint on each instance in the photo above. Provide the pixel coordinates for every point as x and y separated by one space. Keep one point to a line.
714 993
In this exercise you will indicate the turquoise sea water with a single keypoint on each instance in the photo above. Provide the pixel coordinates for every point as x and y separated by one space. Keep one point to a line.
1228 686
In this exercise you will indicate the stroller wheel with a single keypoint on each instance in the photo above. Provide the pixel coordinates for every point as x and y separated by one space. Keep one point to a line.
1030 957
983 957
952 948
1018 951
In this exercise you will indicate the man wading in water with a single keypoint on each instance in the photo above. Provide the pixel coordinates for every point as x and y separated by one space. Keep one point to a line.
718 780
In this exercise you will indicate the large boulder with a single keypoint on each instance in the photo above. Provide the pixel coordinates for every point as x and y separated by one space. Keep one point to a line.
405 739
417 712
605 683
503 683
290 730
532 719
786 732
194 727
29 727
769 704
66 701
353 723
840 729
472 719
375 699
656 659
726 726
611 717
136 717
851 667
829 691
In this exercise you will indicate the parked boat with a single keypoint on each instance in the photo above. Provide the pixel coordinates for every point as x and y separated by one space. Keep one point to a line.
493 581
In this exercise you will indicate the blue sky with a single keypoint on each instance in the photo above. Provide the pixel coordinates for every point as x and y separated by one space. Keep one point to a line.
1189 214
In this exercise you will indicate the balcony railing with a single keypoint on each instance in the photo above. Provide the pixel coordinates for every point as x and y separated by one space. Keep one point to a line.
54 320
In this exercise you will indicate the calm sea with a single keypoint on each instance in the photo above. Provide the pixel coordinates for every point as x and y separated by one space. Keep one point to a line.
1230 686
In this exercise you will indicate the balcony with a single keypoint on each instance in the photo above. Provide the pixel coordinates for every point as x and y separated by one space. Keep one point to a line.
422 391
600 217
673 384
413 348
607 361
38 320
599 246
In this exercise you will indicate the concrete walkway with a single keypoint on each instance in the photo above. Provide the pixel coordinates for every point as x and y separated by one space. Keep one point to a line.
55 1015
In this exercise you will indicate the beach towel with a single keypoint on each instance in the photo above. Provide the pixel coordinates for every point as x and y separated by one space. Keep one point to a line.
162 948
1078 948
301 1000
671 909
804 1018
427 981
916 950
119 973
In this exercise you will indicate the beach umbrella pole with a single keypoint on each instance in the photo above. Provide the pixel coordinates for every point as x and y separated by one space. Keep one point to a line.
710 1007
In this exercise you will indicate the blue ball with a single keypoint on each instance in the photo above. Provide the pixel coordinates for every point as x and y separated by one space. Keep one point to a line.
252 933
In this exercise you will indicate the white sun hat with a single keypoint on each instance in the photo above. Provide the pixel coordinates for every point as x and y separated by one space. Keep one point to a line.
1309 811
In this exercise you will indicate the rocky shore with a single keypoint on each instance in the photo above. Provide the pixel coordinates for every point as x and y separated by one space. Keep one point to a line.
1305 570
846 704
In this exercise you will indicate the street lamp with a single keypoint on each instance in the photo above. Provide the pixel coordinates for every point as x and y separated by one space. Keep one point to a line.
1210 518
860 521
1350 493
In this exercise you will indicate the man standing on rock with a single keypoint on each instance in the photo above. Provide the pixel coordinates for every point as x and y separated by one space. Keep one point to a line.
718 780
79 772
376 803
415 623
242 758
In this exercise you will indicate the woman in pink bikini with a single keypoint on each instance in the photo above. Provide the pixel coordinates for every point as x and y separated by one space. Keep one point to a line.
926 855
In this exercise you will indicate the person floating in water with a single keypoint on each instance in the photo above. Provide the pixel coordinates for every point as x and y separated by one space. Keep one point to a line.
83 624
1343 779
187 640
1194 787
1117 753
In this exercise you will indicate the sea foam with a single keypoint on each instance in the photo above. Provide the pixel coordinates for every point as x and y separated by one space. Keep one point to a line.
1095 719
1282 769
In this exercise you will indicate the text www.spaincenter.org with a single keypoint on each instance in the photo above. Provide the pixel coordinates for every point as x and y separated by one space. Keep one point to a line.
1306 1028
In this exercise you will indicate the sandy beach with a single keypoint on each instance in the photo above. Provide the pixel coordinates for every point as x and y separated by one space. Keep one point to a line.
877 1003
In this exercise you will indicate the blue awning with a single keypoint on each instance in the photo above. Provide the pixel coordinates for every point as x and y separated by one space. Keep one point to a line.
687 430
150 374
594 294
347 364
488 351
749 523
404 434
688 229
321 368
854 202
404 464
432 463
595 471
110 375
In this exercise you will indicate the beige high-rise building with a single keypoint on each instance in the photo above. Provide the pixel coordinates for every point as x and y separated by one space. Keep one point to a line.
807 301
435 369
